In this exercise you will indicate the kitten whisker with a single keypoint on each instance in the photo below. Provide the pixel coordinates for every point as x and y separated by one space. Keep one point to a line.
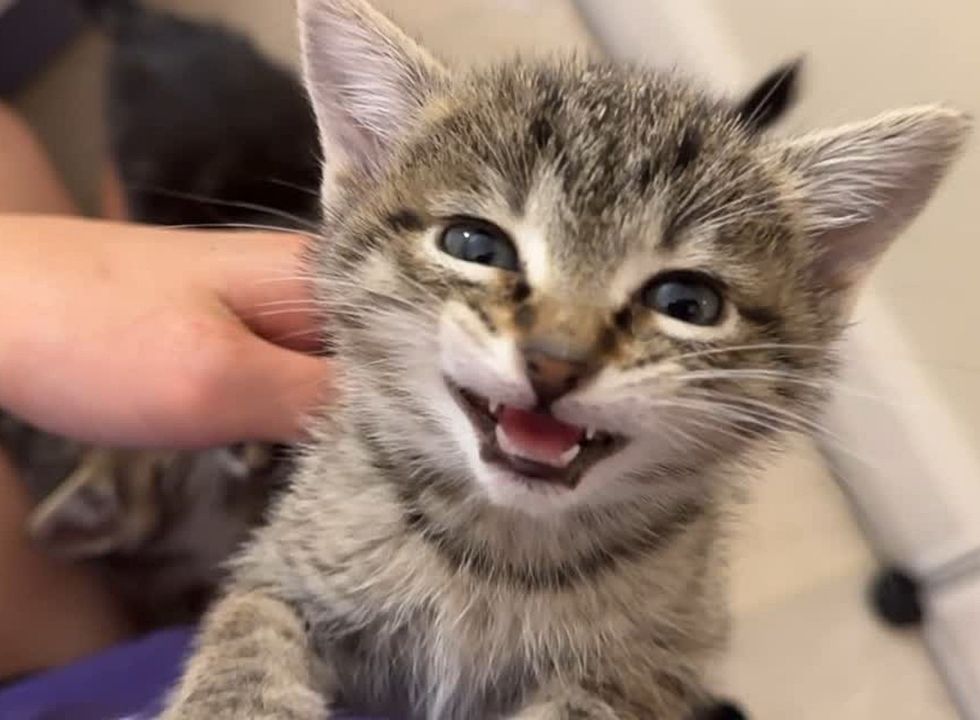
276 313
778 422
829 383
301 222
312 192
768 409
744 348
237 226
291 302
291 278
312 333
702 409
716 417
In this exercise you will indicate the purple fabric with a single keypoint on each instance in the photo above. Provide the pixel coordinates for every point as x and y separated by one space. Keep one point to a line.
126 682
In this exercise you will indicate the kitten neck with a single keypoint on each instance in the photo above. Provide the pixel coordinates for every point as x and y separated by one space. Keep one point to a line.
527 551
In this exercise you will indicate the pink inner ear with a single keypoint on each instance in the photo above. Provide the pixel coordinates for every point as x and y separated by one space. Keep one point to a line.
844 258
861 184
367 79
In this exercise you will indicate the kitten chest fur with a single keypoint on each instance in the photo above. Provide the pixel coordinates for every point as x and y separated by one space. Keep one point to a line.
374 583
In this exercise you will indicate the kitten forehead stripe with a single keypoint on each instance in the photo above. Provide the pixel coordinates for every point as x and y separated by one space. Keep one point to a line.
406 220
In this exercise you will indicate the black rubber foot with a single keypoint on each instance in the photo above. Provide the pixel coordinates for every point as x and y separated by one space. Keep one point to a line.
723 710
897 599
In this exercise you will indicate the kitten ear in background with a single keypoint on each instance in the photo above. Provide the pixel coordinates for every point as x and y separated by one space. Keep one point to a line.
860 185
770 100
368 80
99 509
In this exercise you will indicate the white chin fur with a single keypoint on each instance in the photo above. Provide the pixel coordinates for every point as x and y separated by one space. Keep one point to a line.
501 487
504 489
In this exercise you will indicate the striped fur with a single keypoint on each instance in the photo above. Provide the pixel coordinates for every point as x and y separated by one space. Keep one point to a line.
402 572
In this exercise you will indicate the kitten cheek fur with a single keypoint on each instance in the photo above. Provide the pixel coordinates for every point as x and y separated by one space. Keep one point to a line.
383 580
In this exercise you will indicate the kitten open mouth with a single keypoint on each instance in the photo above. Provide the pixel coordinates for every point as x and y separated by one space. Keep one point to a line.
534 445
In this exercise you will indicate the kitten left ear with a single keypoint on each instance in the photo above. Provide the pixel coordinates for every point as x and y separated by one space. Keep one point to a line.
367 79
861 185
767 102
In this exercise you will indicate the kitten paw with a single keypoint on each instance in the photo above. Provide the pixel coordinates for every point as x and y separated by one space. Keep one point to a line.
298 705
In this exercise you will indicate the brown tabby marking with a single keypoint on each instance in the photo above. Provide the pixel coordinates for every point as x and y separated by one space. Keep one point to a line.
469 535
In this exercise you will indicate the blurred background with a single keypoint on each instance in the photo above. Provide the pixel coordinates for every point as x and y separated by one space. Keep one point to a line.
873 55
806 645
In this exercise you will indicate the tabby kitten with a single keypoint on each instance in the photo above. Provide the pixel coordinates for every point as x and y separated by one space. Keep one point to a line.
569 298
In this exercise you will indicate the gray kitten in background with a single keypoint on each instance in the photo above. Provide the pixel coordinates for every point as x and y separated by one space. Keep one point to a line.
571 299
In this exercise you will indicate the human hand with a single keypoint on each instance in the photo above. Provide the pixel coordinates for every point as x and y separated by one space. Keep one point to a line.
127 335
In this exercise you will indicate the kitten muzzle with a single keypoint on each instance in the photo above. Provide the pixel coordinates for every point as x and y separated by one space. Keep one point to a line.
533 444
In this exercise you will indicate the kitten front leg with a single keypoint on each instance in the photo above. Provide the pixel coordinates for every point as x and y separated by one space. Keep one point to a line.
253 661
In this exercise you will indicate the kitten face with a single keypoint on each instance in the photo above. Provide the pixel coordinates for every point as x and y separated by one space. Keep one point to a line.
562 284
633 253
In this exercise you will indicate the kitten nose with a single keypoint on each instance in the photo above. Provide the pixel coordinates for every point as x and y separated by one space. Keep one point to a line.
551 375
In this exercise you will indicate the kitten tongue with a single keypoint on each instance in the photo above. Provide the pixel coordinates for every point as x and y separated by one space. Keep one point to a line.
536 436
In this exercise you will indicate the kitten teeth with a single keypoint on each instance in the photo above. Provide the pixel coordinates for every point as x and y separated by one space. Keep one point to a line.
566 458
493 406
505 443
590 433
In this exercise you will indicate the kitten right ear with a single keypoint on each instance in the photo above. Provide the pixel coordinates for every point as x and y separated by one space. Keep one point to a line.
367 79
860 185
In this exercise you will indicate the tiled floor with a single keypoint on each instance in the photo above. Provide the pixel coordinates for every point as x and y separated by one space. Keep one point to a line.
804 646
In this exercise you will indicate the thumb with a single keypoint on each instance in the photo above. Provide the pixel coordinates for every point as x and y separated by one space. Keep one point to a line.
271 392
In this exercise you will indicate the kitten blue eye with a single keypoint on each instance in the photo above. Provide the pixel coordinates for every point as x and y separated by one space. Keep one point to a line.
480 243
688 297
